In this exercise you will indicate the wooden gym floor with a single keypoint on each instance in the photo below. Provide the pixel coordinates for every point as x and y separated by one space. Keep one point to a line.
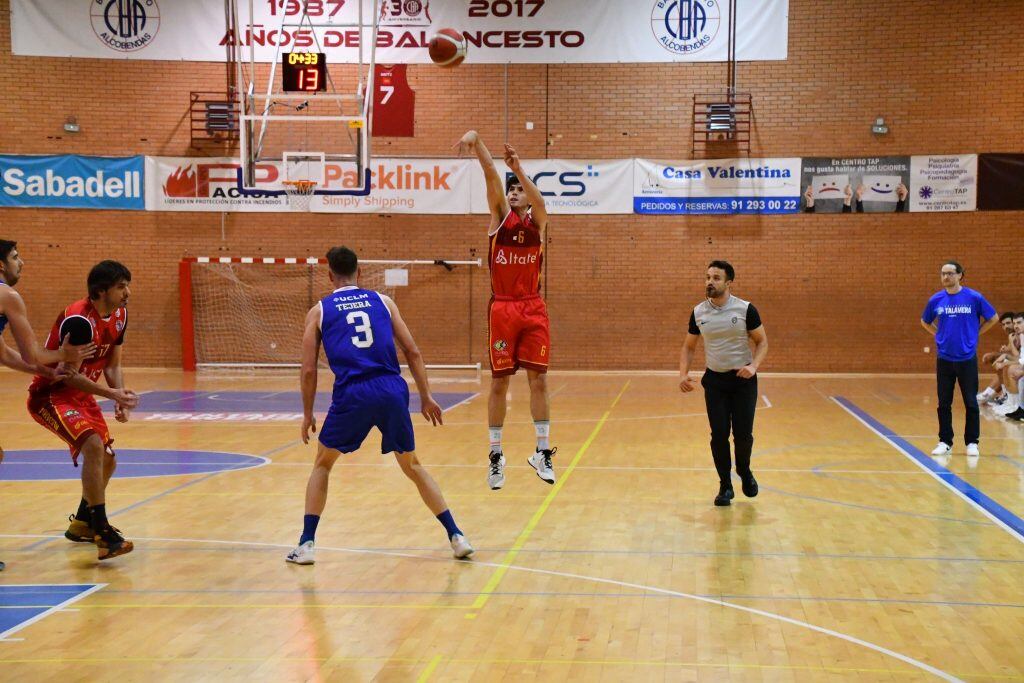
862 559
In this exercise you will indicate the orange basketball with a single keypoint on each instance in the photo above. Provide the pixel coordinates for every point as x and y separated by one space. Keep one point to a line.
448 48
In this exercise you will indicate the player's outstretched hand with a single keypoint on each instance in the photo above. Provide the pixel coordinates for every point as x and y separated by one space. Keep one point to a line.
467 145
125 398
686 385
511 157
308 424
746 372
432 412
69 353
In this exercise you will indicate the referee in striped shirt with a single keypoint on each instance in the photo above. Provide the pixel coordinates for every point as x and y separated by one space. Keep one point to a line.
728 324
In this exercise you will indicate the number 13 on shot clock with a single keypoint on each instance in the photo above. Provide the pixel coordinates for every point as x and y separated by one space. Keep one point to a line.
304 72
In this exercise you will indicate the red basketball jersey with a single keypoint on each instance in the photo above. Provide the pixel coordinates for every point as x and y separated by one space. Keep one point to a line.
394 103
516 253
106 334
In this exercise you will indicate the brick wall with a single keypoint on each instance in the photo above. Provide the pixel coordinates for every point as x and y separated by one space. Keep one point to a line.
837 293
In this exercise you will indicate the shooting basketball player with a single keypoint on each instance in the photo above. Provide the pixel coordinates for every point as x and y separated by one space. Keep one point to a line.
359 329
518 321
67 408
30 358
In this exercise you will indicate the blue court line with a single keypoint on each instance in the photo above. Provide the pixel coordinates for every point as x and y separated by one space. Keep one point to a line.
157 496
1011 461
872 508
556 594
990 508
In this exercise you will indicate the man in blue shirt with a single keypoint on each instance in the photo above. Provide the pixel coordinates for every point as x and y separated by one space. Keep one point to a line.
957 316
359 329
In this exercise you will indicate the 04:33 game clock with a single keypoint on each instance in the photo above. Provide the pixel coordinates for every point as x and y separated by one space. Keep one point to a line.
304 72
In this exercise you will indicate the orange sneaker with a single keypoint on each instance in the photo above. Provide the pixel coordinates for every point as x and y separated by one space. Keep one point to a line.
110 543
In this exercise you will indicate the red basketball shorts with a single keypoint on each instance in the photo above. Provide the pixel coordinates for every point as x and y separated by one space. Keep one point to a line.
71 416
518 335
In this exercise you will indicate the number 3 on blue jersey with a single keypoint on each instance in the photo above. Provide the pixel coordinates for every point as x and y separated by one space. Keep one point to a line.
363 338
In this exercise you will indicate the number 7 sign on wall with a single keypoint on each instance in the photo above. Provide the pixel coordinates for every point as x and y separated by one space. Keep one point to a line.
394 103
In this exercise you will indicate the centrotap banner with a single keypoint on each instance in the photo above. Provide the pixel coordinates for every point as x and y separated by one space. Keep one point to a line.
944 183
722 186
497 31
422 186
72 182
568 186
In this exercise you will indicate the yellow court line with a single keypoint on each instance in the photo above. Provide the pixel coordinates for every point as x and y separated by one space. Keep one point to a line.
513 552
429 671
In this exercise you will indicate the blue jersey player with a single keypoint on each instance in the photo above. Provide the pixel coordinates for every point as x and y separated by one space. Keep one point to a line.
359 329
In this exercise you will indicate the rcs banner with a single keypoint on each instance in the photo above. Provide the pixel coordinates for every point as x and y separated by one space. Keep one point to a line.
497 31
568 185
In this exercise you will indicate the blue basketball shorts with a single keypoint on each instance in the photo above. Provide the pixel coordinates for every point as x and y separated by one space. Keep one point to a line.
381 402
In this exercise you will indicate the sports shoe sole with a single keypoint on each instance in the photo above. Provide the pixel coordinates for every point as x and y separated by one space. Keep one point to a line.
537 470
122 549
297 561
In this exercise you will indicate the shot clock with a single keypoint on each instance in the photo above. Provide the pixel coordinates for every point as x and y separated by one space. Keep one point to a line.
304 72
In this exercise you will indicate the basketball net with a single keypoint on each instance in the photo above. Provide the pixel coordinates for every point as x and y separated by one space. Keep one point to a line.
300 193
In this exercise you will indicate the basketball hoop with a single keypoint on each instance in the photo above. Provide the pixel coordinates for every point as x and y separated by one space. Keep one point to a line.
300 193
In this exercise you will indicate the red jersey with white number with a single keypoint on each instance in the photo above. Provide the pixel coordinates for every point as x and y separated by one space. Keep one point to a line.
516 253
106 334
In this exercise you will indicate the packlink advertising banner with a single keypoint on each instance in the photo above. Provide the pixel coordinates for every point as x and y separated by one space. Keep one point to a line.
855 185
418 186
721 186
72 182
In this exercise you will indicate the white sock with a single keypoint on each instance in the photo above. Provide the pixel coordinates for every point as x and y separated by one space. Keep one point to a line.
495 436
543 429
1020 392
989 391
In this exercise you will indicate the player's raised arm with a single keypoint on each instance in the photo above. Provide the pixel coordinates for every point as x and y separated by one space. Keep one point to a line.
537 207
403 337
497 202
311 338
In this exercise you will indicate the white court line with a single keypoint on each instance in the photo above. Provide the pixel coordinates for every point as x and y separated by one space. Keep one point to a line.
613 582
55 608
465 400
946 484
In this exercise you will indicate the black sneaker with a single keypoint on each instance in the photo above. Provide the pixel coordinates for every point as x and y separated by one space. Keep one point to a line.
1017 414
749 485
725 495
110 543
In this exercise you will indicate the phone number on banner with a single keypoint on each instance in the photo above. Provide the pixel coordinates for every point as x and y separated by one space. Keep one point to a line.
715 205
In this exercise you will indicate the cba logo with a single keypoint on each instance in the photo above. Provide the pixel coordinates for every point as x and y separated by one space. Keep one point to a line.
500 345
72 413
125 25
685 26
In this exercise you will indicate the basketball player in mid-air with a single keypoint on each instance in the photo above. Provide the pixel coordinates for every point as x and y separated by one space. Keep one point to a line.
359 329
518 321
67 408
